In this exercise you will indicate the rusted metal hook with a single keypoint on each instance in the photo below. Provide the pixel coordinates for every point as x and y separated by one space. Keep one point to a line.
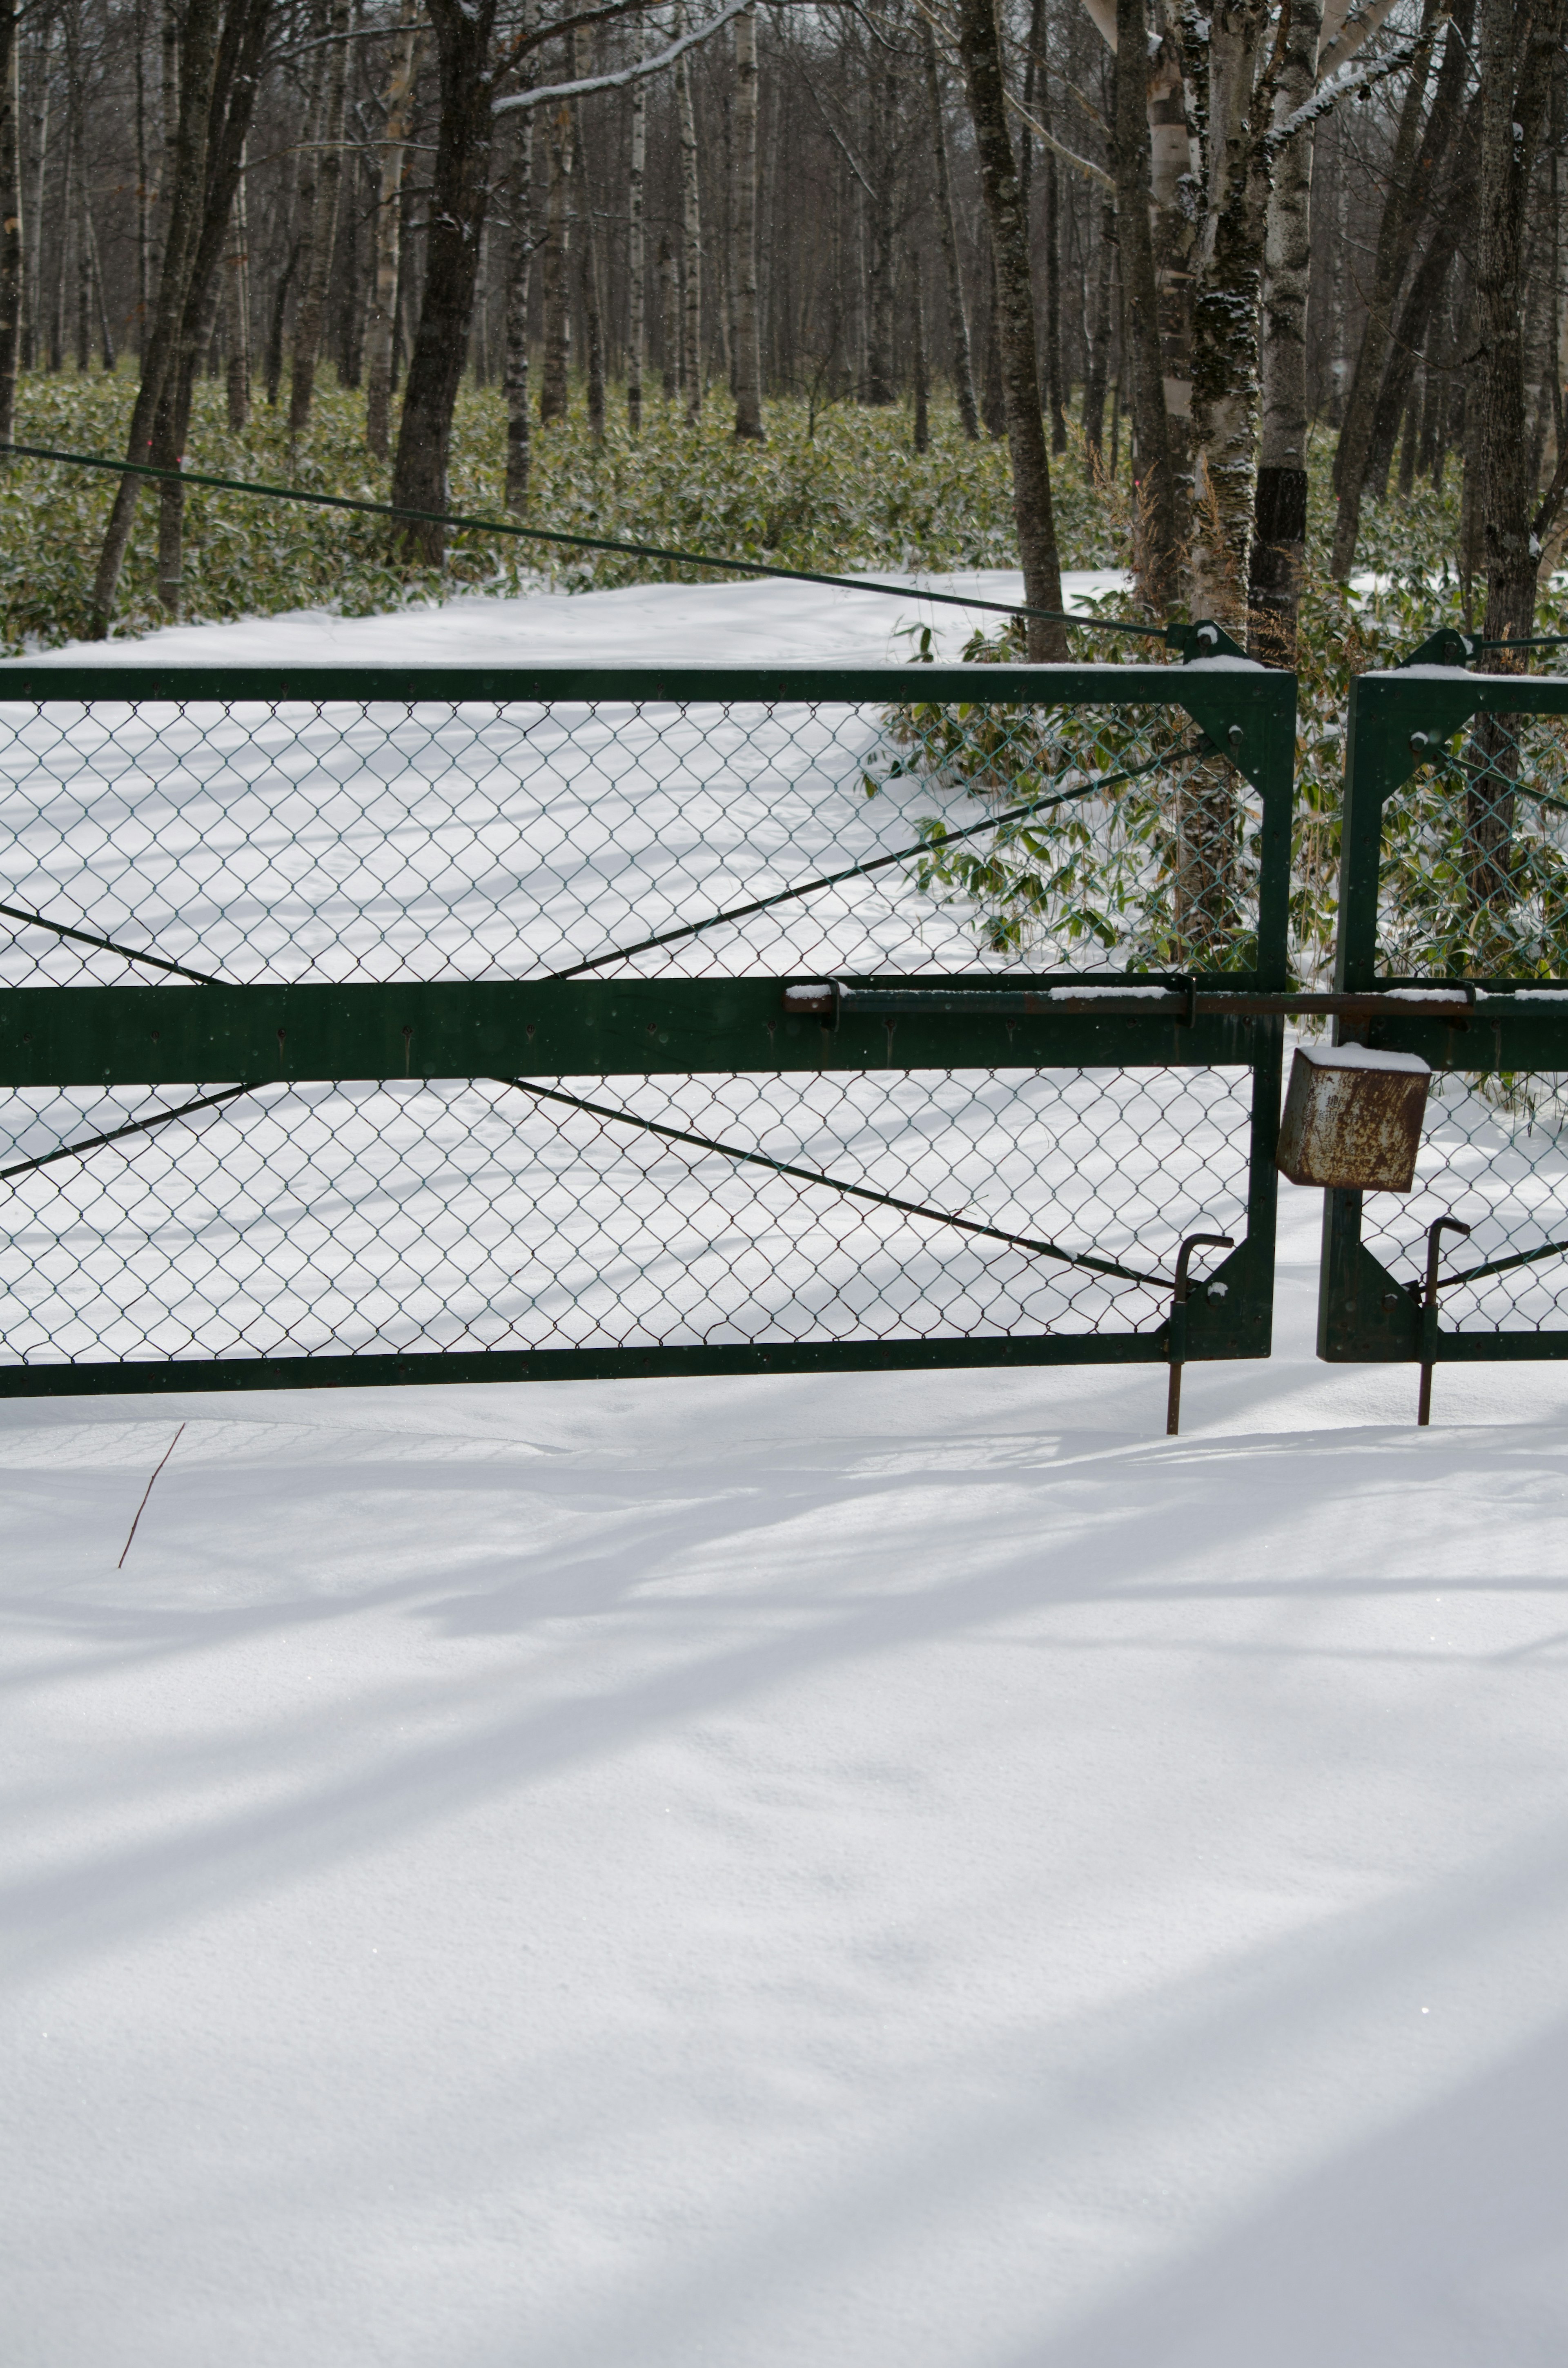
1178 1321
1434 1232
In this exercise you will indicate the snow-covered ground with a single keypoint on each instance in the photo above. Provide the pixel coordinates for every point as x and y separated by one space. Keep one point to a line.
875 1872
710 624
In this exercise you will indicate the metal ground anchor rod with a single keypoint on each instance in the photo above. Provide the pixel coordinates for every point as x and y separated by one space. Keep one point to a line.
1434 1232
1178 1321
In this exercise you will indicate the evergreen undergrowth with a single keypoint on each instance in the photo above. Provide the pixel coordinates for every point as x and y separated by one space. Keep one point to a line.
841 493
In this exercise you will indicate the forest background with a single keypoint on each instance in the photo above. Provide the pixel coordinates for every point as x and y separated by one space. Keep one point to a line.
908 286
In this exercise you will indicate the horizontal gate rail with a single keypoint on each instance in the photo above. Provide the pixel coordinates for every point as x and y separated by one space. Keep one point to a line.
317 979
1454 884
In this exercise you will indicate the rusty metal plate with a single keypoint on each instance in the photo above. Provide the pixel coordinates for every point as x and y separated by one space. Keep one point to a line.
1353 1118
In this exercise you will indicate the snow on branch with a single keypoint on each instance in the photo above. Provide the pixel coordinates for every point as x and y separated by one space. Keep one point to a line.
1350 79
624 75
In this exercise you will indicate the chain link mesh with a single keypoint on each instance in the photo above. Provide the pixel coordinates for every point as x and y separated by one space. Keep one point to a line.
360 1218
348 841
1495 1154
1473 884
338 840
1474 875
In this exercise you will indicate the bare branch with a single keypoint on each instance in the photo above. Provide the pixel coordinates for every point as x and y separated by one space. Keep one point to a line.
552 93
1068 156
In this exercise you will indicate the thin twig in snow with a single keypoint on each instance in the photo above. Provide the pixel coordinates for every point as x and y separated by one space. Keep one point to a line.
143 1506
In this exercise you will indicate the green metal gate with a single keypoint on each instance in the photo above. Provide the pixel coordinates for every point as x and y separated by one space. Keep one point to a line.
1454 902
385 1026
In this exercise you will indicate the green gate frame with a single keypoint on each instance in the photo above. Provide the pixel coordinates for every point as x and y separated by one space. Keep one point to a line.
152 1035
1397 718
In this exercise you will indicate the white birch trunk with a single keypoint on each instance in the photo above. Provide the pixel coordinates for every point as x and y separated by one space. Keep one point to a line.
691 233
636 252
382 326
1279 515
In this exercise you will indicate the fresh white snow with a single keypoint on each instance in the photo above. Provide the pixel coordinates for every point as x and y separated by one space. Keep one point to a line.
709 624
879 1872
1364 1057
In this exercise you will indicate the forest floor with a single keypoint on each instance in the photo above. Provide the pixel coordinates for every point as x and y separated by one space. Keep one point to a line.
838 490
861 1870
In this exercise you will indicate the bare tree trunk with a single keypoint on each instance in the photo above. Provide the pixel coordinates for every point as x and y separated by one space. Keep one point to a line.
1413 321
993 397
1540 342
306 208
77 206
957 324
1037 104
1225 320
143 190
917 342
555 392
106 334
588 253
748 348
1156 537
1098 374
236 73
1411 437
1516 45
1175 241
10 213
1396 238
273 366
883 256
691 234
68 180
459 195
168 91
197 64
1279 514
237 294
1058 394
980 46
519 271
636 250
669 316
32 313
1437 393
321 233
383 327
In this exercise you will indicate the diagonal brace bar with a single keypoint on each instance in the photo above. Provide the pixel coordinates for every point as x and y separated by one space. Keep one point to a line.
116 1134
877 863
855 1192
108 945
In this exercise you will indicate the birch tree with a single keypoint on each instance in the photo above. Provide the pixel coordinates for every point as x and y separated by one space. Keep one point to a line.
555 388
748 349
636 252
11 239
691 236
381 326
1279 510
519 196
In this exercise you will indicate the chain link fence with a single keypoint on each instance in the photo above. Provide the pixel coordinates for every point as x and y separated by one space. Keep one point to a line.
1003 1186
1456 871
337 840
